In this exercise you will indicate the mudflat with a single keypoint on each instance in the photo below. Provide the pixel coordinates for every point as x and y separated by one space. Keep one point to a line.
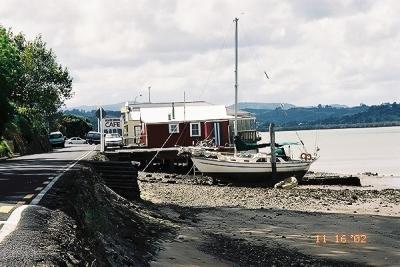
223 225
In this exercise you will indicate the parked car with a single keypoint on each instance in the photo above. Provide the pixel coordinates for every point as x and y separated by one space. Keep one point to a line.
113 139
57 139
93 137
76 140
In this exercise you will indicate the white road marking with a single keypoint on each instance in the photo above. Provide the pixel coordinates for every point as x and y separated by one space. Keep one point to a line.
11 224
39 197
6 209
29 196
38 188
45 182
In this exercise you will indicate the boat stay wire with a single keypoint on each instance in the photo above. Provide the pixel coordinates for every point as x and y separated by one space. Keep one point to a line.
158 151
217 60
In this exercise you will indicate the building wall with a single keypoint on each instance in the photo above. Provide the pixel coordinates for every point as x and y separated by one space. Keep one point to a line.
158 133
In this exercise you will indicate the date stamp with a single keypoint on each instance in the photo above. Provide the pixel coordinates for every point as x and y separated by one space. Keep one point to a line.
355 238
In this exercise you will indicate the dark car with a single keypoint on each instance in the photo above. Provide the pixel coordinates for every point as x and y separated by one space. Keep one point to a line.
57 139
93 137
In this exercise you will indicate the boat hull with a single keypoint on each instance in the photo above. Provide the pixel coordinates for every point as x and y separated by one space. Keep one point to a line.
250 172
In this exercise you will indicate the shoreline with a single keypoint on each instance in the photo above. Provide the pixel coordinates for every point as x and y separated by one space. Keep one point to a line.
334 127
226 225
170 189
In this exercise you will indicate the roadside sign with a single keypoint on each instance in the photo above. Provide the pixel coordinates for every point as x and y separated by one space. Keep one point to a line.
112 125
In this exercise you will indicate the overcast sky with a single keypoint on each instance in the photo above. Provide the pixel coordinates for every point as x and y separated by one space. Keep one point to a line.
314 51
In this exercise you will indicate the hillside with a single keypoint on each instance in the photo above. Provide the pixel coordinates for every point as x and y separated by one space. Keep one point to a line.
328 116
88 108
260 105
91 115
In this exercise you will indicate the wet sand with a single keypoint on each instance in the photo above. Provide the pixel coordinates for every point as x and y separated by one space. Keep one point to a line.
198 192
224 225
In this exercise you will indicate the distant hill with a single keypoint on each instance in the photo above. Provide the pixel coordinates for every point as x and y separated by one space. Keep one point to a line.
91 115
259 105
113 107
328 116
338 106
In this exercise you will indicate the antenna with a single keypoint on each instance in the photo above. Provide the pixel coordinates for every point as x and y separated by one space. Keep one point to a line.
149 94
184 106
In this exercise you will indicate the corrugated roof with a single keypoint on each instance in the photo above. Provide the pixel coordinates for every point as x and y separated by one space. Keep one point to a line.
192 113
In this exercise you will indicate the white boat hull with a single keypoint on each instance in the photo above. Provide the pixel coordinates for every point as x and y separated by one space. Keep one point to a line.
250 171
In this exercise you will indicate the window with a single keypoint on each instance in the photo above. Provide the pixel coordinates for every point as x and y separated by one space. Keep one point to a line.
173 128
195 129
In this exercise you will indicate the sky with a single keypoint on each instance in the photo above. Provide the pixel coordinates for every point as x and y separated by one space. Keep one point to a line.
314 51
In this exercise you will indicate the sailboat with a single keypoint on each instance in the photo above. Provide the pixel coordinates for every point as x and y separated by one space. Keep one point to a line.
247 167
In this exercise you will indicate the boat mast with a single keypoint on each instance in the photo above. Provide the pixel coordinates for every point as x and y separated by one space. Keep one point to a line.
236 77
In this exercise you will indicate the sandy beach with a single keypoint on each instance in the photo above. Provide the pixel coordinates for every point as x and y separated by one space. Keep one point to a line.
225 225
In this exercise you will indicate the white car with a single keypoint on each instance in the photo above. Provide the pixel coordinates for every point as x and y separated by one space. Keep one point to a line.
75 140
113 139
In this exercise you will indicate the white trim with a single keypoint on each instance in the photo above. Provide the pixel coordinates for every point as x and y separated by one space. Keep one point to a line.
170 129
191 129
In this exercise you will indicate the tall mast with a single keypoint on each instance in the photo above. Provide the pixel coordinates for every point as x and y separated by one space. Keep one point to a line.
236 75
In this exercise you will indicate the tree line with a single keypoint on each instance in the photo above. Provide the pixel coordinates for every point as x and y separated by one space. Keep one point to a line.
386 114
33 88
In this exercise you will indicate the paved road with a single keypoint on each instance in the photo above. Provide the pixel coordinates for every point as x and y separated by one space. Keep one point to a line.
23 178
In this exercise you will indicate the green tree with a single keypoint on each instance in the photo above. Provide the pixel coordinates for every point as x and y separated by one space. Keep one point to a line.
44 85
9 72
71 126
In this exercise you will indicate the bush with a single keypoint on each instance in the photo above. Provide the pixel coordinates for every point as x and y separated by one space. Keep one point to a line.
5 150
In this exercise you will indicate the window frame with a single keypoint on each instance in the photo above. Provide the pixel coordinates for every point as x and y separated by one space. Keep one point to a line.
169 128
191 129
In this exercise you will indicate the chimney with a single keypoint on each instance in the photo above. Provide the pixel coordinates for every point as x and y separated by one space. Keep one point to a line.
173 110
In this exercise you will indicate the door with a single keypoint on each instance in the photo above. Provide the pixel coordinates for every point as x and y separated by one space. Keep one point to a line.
217 134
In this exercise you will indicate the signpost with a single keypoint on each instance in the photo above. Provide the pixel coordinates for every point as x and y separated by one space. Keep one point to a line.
107 125
100 113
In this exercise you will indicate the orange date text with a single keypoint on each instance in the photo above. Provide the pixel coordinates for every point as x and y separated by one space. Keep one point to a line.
341 238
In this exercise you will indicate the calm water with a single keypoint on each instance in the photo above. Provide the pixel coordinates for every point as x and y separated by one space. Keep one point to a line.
350 151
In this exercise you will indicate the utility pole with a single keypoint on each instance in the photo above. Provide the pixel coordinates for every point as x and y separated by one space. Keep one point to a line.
273 154
184 106
101 131
149 94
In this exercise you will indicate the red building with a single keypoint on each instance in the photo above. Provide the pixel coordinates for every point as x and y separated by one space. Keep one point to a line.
178 124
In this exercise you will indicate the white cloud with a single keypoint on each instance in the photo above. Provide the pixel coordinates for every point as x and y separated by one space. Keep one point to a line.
315 51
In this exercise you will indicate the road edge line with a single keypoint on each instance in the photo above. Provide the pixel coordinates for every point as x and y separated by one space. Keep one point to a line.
11 224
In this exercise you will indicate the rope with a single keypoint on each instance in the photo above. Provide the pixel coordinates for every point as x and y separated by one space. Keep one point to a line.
297 133
179 138
151 161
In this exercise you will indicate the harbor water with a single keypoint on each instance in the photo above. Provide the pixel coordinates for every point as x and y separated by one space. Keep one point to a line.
350 151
